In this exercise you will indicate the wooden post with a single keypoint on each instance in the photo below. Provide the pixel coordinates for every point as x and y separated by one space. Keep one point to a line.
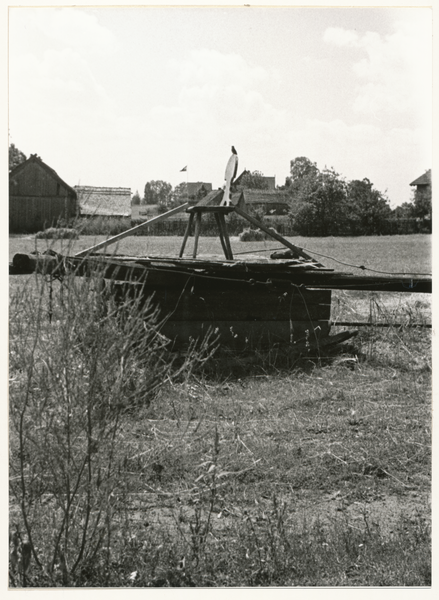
129 232
187 233
299 252
223 243
223 229
197 233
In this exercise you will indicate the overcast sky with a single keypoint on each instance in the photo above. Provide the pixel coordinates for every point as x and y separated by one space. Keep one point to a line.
121 96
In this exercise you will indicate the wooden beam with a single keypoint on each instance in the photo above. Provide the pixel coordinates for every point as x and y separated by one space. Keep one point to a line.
276 236
187 233
129 232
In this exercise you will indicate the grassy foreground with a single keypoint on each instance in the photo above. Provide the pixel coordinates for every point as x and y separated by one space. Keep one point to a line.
315 475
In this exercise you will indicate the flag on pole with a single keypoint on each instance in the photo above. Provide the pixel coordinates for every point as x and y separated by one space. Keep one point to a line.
183 169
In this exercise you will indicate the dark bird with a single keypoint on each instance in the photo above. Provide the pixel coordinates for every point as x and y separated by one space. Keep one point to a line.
233 150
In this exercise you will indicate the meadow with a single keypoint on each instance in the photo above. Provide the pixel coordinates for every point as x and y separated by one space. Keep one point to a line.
129 471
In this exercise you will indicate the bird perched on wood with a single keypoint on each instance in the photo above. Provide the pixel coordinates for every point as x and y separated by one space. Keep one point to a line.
231 170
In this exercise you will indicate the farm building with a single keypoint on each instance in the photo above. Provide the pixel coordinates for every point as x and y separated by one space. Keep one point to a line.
38 197
270 182
423 182
144 211
271 202
103 201
198 189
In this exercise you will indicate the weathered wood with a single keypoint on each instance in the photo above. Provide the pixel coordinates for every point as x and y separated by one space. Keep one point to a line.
174 272
212 198
197 233
193 304
129 232
224 234
187 233
221 236
23 264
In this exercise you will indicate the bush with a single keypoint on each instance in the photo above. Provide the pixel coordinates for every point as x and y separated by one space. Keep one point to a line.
103 225
58 233
78 364
252 235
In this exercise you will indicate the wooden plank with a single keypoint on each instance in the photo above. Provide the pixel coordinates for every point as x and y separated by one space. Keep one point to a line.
129 232
250 304
212 198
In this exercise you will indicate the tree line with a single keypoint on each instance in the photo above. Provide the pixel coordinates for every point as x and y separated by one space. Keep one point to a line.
324 203
321 202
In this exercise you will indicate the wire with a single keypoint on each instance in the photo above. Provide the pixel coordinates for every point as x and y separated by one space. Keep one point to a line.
361 267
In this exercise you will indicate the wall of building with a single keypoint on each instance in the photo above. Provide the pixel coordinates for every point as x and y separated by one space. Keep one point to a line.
37 199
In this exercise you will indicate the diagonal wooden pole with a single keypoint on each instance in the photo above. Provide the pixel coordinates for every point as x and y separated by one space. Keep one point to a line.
129 232
276 236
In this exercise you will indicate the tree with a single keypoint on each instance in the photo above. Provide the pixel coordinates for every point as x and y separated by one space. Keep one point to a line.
135 201
319 206
157 192
403 211
368 210
179 195
301 168
16 157
252 181
422 203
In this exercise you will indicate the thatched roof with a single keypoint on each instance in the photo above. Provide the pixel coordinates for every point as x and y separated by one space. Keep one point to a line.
424 179
104 201
265 197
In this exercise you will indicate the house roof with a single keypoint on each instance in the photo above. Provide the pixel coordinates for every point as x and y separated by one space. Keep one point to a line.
104 201
424 179
33 158
194 187
270 181
265 197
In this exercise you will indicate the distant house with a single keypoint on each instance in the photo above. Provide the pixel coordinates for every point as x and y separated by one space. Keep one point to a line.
423 198
103 201
269 181
144 211
271 202
38 197
198 189
423 183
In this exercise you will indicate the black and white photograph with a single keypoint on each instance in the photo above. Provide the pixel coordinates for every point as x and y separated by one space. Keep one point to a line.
220 296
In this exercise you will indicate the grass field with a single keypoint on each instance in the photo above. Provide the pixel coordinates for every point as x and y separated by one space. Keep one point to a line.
314 475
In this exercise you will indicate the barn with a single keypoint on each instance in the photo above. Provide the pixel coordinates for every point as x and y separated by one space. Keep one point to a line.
38 197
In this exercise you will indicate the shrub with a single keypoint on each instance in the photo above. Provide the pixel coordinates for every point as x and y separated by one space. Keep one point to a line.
78 364
252 235
58 233
103 225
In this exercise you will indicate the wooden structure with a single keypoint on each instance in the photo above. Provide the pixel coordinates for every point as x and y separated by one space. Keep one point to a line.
256 302
38 197
423 183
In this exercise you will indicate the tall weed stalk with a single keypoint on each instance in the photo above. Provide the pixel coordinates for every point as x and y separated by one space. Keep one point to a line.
76 367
